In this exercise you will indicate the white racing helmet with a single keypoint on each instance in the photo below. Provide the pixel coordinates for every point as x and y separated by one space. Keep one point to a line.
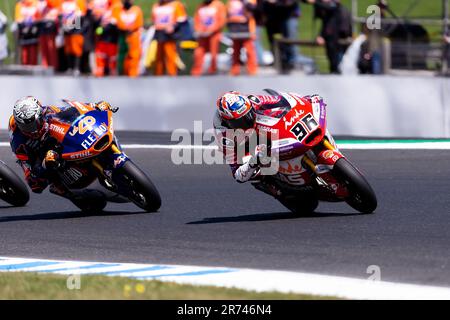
29 116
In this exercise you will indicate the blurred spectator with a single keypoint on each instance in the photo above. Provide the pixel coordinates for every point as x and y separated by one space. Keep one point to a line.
242 28
336 30
167 16
307 63
26 14
41 5
3 38
107 37
49 11
292 21
72 12
282 18
87 65
370 57
293 9
258 14
210 19
130 21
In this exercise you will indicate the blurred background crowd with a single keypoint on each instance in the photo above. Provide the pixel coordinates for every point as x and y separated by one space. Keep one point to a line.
198 37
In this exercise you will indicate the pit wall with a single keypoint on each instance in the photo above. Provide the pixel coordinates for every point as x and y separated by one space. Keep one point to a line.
381 106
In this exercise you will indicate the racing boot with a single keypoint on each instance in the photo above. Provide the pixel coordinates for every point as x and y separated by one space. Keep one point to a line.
299 199
268 188
87 200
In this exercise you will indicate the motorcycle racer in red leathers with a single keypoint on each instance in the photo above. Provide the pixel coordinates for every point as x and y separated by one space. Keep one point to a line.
239 111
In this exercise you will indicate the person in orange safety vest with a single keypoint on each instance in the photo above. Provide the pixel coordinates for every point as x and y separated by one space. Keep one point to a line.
210 18
26 15
242 28
167 15
72 12
48 15
130 20
107 36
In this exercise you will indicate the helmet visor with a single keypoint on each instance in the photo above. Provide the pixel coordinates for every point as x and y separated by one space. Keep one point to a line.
31 126
245 122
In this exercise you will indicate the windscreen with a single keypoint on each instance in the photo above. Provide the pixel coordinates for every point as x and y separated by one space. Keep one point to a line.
67 114
275 110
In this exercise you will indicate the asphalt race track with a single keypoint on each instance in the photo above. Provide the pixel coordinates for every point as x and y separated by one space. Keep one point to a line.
208 219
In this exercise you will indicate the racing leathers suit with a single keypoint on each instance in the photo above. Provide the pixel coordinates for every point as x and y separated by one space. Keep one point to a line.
31 152
34 153
249 169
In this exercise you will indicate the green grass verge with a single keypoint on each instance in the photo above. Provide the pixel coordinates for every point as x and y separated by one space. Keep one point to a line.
33 286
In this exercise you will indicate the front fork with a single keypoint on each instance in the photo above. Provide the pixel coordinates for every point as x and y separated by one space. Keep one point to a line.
321 160
116 160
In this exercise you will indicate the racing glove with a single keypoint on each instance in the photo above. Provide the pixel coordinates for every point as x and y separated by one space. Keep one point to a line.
262 156
35 178
51 160
252 167
103 106
245 172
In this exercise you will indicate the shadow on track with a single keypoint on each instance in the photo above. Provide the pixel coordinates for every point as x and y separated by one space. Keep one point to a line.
66 215
271 216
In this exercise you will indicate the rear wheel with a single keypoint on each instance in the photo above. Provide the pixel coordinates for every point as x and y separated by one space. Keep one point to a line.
141 190
12 189
361 195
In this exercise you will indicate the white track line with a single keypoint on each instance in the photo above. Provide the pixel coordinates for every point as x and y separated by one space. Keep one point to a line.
247 279
320 285
395 146
345 146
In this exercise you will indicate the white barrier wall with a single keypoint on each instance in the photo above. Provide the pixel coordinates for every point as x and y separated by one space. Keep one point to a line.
360 106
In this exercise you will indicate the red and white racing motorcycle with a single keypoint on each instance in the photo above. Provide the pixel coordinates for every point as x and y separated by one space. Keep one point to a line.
311 168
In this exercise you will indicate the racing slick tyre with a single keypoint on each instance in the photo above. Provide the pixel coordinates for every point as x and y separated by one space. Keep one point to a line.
12 189
361 195
142 191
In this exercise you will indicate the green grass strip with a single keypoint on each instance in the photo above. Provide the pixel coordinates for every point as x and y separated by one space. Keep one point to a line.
26 286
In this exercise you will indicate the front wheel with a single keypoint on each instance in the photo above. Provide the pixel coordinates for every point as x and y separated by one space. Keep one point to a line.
141 189
361 195
12 189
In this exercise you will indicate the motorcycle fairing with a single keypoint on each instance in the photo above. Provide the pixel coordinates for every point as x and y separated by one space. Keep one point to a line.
88 136
301 125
